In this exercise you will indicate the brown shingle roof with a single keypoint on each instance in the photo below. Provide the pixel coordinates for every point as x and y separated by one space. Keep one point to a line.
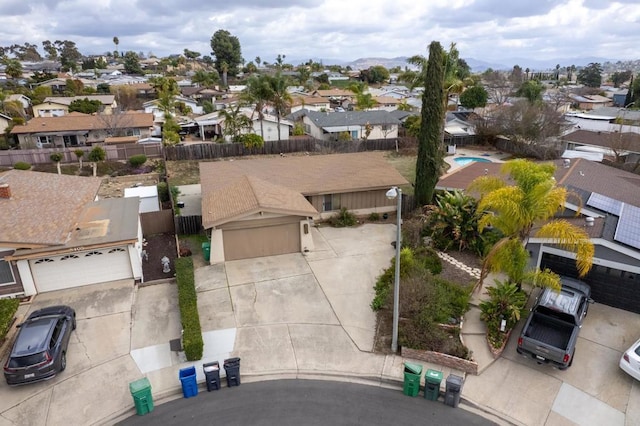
80 122
250 195
626 141
43 207
308 174
583 174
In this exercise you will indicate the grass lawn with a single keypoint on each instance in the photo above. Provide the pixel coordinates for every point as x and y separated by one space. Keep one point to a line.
406 166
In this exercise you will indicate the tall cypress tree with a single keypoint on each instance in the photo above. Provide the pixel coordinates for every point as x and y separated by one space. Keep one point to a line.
430 149
629 98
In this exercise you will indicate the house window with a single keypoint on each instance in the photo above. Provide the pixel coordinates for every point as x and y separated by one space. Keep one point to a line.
6 274
70 140
385 127
133 132
354 134
45 140
330 202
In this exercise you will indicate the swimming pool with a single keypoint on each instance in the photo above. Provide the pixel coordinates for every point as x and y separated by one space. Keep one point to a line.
466 160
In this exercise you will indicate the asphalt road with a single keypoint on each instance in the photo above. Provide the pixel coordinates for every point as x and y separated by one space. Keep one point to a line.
306 402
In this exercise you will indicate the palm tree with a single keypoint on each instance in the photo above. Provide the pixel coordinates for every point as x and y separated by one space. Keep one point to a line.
364 100
280 99
514 210
258 92
235 121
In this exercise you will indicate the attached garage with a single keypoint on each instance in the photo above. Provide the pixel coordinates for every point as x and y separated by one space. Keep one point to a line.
81 268
609 286
257 238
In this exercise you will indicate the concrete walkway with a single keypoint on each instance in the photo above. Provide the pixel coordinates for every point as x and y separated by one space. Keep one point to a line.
296 316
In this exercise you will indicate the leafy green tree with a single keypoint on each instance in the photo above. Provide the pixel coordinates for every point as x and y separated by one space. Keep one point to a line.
617 78
591 75
85 106
251 140
226 49
68 53
132 63
74 87
430 152
79 154
531 90
103 88
191 55
96 155
474 97
56 157
515 209
50 50
375 74
235 122
170 130
116 41
39 93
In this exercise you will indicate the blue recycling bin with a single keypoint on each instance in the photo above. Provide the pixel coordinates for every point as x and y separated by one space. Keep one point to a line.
189 382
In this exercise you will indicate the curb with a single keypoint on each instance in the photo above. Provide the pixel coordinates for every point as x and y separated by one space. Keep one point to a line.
384 382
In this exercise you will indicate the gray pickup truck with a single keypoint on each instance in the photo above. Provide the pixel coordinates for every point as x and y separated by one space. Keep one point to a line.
551 331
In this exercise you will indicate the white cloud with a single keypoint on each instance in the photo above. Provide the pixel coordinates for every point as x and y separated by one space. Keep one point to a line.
492 30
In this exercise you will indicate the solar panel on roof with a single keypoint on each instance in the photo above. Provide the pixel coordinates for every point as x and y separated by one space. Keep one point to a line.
604 203
628 229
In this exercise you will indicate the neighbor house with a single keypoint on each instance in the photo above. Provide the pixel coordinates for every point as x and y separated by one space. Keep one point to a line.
76 129
265 206
606 204
333 126
55 106
5 120
56 234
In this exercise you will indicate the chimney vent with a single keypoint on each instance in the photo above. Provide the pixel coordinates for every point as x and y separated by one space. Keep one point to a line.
589 221
566 162
5 190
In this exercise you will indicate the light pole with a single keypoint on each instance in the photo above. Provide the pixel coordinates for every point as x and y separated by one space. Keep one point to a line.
396 193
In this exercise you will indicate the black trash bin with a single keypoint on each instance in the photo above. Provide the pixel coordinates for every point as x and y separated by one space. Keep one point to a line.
232 368
212 375
453 390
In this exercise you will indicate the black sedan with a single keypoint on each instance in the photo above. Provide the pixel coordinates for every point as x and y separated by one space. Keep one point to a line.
40 349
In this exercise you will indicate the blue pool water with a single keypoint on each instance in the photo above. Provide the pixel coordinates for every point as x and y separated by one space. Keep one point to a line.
466 160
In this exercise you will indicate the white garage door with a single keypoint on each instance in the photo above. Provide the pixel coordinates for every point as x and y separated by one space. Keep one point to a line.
81 268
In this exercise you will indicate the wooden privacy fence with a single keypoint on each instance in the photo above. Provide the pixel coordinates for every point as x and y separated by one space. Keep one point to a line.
206 151
114 152
160 222
188 225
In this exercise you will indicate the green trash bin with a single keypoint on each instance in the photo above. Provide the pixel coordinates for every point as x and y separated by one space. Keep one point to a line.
141 393
412 373
432 380
206 251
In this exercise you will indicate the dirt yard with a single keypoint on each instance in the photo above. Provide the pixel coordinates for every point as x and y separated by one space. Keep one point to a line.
113 187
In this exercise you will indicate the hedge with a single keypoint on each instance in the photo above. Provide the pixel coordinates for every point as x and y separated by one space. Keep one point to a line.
192 343
8 308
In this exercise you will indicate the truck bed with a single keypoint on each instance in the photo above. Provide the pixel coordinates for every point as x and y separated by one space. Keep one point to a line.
549 330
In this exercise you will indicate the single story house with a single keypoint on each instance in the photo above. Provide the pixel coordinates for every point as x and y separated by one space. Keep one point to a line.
625 145
609 210
77 129
55 106
5 120
330 125
265 206
56 234
312 103
153 107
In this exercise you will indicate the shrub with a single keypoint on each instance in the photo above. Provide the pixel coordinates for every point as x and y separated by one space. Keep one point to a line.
506 301
8 308
374 217
343 219
385 282
188 302
56 157
163 192
251 140
21 165
137 160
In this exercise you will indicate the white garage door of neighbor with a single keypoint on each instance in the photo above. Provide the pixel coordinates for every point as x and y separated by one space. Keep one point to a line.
81 268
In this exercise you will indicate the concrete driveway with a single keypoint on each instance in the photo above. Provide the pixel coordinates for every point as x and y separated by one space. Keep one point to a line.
95 384
594 391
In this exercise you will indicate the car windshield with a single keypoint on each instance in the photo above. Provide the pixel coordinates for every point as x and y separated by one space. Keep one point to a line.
26 361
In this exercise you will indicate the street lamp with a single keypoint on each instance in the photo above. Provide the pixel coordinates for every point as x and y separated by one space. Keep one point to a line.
396 193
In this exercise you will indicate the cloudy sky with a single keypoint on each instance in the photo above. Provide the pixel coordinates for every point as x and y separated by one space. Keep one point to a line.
488 30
